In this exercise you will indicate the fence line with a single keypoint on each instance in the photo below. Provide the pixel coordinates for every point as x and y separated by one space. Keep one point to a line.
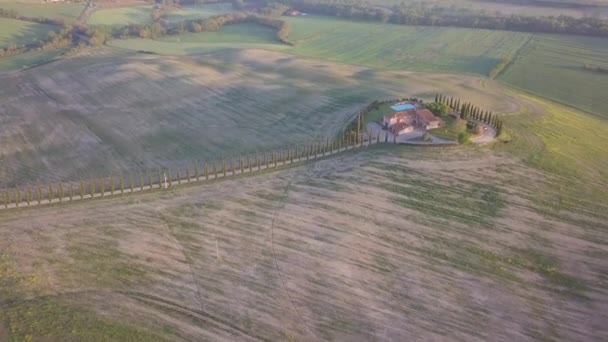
107 186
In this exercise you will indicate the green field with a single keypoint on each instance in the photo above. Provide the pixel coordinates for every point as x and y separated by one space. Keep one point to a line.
427 49
29 59
197 12
64 11
384 243
451 129
553 67
22 32
390 46
122 16
246 33
547 65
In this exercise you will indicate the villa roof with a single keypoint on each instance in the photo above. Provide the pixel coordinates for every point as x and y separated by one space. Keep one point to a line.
399 126
426 115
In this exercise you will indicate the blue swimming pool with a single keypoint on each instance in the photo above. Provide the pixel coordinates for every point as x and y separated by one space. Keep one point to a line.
401 107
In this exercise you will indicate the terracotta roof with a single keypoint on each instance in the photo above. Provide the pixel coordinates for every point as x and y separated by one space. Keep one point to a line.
425 114
398 127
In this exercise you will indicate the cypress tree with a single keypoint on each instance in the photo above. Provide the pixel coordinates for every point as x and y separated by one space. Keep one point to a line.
378 137
436 97
122 184
71 194
232 165
39 194
6 199
214 170
50 193
457 104
28 196
249 163
196 173
18 197
60 192
102 186
274 158
150 181
92 187
179 179
81 186
141 181
223 167
206 170
241 163
131 183
451 104
112 185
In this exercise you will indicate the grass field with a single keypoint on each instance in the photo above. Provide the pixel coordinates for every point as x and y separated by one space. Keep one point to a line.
547 65
122 16
451 129
129 111
255 34
378 245
65 11
22 32
197 12
428 49
26 60
553 67
391 243
506 8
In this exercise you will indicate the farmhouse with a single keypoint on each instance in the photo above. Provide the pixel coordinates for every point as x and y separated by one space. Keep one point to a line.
407 117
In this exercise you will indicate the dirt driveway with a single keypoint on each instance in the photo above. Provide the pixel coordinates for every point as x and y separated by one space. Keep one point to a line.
489 133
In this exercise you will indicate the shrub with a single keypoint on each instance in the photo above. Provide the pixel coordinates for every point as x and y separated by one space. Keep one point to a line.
463 137
437 108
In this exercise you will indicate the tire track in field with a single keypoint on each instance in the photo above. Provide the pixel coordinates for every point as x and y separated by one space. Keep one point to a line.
280 205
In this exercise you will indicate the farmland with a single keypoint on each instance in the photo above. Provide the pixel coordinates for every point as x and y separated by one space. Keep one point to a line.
426 49
122 16
246 33
385 243
377 245
575 9
197 12
535 57
553 67
26 60
22 32
264 100
64 11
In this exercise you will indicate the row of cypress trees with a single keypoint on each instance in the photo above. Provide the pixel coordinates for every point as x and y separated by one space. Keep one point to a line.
159 179
469 111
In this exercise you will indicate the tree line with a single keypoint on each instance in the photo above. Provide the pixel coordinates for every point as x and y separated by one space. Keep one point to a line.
157 29
420 13
471 113
195 172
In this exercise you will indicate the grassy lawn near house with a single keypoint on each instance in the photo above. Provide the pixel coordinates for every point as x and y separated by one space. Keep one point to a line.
378 114
450 129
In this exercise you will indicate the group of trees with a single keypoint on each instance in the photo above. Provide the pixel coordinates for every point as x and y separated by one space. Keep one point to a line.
420 13
438 108
196 25
471 112
159 179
